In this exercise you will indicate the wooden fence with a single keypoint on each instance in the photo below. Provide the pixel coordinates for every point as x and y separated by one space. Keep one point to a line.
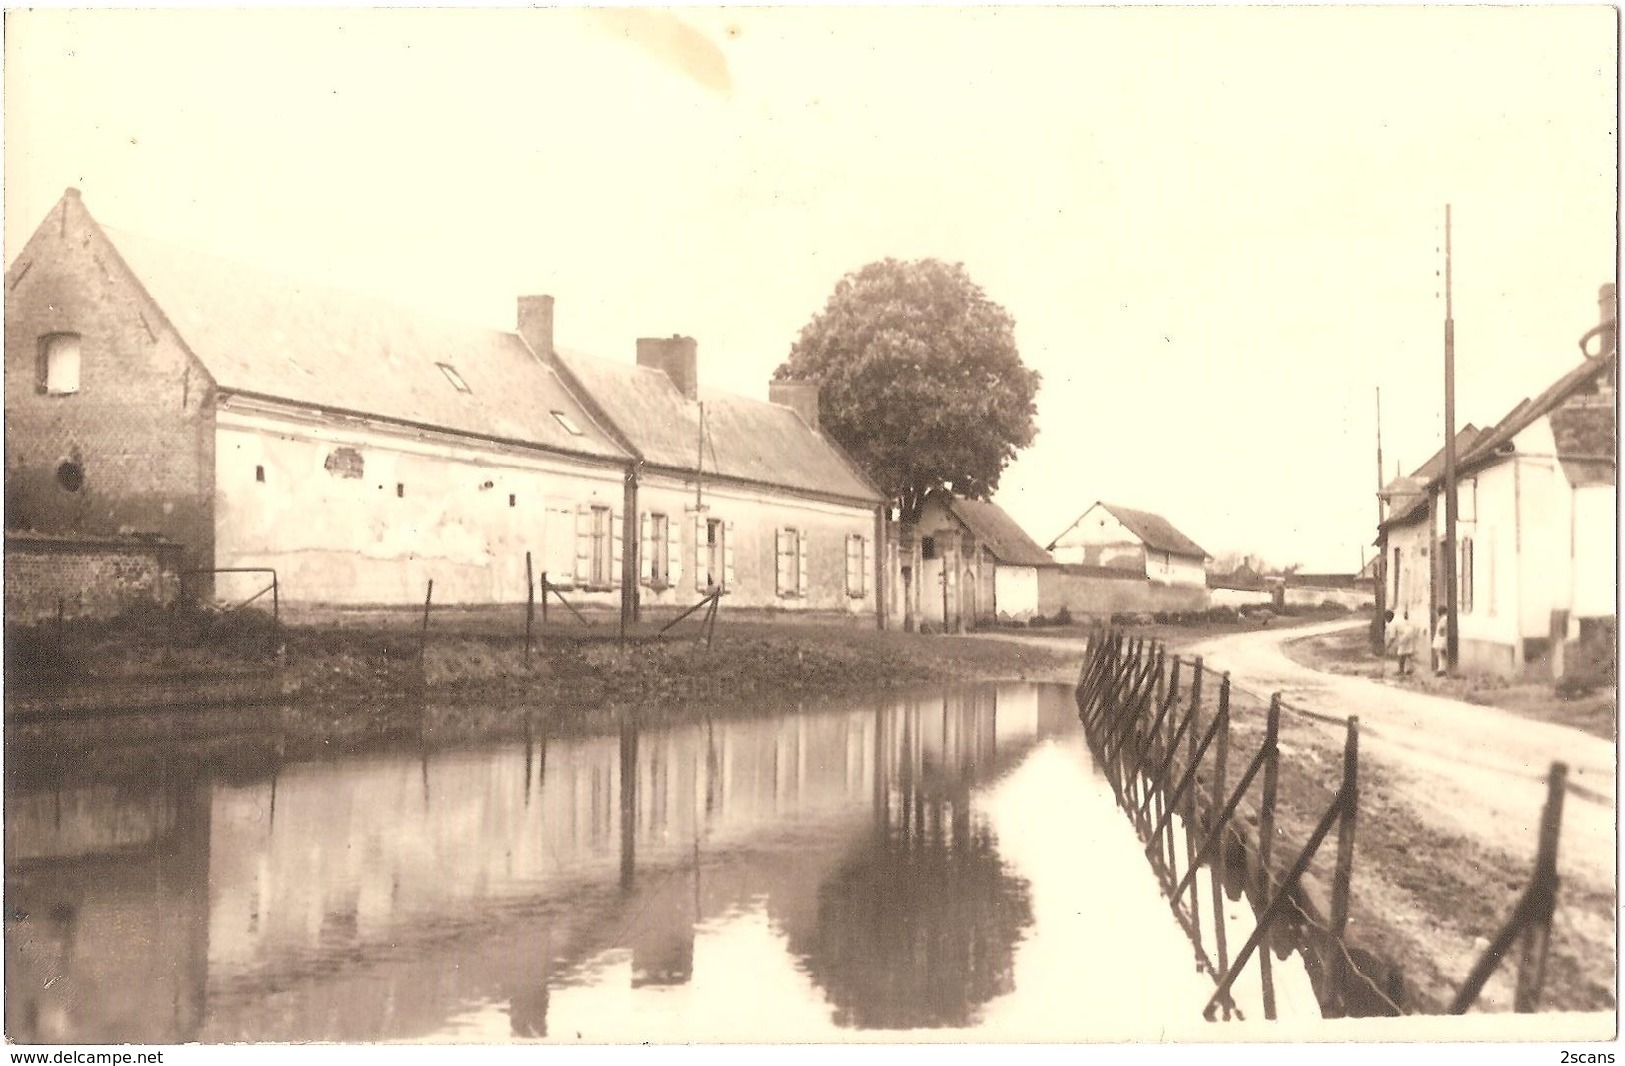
1160 729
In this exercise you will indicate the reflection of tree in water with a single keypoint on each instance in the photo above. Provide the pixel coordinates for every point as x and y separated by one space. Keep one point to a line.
918 928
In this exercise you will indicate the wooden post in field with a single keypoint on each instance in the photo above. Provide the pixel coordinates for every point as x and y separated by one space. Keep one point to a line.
544 598
530 607
423 635
1349 804
1266 839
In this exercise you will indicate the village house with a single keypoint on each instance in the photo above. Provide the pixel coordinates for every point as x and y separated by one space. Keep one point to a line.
732 492
1117 560
971 564
361 450
1536 543
1114 537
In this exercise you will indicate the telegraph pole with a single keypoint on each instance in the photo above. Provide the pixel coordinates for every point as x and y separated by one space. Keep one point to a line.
1451 644
1379 565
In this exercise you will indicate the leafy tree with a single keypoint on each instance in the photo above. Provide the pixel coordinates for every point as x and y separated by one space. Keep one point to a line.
920 379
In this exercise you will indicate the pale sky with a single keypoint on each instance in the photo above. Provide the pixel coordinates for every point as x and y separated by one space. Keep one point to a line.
1217 229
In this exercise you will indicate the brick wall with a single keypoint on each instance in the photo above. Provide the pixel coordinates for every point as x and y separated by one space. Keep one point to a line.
88 577
139 428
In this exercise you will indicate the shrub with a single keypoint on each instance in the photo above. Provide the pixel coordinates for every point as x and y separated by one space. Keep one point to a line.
1063 617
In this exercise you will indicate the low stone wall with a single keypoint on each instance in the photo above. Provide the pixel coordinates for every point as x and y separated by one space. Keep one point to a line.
85 577
1313 596
1091 590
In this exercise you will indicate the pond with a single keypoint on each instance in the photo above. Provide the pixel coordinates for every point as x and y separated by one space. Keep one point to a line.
938 864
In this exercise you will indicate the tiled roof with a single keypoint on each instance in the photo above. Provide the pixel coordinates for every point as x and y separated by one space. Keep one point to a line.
748 439
1008 542
260 333
1587 443
1565 401
1156 531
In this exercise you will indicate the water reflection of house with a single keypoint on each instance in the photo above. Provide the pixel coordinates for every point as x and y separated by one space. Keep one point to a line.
336 920
106 912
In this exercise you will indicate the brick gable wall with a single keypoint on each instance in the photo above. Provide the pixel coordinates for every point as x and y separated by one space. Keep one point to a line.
141 425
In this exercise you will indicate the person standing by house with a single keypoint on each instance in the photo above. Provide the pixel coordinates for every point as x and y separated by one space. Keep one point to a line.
1401 641
1441 644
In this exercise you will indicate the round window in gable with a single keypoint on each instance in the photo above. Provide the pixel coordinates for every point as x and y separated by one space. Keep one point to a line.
70 476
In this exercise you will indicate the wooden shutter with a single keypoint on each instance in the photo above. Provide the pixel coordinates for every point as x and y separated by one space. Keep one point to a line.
781 556
699 552
616 550
854 559
645 550
801 562
728 555
583 572
866 563
674 552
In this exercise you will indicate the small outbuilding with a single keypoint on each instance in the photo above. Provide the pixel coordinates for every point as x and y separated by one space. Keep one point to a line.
1114 537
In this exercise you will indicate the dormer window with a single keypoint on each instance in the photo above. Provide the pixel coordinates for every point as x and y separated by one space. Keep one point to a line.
568 423
455 378
59 364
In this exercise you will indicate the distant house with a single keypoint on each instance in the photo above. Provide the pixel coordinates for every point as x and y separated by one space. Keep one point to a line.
361 450
1115 537
1536 496
974 563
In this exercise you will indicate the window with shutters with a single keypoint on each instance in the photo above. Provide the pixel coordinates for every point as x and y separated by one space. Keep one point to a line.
790 562
603 548
657 551
857 566
715 554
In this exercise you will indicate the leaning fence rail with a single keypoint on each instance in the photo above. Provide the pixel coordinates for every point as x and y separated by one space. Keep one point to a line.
1169 766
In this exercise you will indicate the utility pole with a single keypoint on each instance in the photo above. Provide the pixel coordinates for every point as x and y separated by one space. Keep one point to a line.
1380 564
1450 576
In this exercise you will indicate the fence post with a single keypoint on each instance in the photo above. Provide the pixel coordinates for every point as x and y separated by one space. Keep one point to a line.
1349 804
1190 800
530 607
423 635
1537 936
1217 797
1266 840
276 614
544 598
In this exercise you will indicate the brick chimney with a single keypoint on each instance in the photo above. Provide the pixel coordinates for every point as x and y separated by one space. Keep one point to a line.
799 396
678 357
536 324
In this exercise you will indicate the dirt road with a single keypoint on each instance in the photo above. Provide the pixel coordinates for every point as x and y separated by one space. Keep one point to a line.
1468 769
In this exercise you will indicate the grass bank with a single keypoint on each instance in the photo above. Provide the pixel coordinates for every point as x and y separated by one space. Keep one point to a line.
353 674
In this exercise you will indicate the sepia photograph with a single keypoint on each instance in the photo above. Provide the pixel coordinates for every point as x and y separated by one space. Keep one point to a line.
810 525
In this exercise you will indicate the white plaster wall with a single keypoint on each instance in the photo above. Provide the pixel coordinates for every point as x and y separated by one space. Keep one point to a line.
1596 575
756 514
354 540
1097 538
1015 591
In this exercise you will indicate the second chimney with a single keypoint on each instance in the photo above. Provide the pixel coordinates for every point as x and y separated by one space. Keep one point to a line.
536 324
799 396
678 357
